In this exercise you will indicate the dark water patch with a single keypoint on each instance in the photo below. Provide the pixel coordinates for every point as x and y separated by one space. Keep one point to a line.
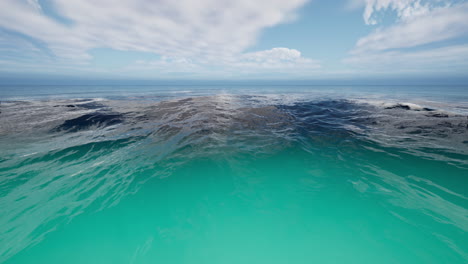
342 109
84 104
69 106
91 105
261 118
89 120
408 107
332 123
438 115
333 114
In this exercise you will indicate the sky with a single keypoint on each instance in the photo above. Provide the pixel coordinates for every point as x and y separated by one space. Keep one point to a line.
241 39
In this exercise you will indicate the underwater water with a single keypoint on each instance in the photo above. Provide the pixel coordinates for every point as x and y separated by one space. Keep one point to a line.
234 175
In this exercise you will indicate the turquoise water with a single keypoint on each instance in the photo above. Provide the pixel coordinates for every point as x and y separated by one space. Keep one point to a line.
234 175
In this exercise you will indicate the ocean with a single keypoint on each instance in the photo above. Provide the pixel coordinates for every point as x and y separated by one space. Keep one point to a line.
233 174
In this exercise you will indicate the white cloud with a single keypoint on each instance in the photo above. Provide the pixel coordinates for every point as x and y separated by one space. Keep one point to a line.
417 41
403 9
449 59
166 65
437 25
276 60
274 55
26 17
184 28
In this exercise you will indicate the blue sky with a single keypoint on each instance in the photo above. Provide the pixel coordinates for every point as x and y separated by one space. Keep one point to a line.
242 39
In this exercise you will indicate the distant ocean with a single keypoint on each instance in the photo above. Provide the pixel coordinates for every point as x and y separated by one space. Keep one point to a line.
233 174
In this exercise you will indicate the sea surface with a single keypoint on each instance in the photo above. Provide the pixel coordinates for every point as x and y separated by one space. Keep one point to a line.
233 174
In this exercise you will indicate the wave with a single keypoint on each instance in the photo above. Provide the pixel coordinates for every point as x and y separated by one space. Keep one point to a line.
61 157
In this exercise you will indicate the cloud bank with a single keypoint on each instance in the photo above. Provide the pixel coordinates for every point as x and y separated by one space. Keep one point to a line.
215 38
419 38
200 32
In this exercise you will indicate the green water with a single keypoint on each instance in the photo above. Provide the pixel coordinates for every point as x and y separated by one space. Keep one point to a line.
287 207
306 191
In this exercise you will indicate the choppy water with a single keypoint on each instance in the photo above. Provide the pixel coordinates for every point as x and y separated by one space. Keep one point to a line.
234 175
